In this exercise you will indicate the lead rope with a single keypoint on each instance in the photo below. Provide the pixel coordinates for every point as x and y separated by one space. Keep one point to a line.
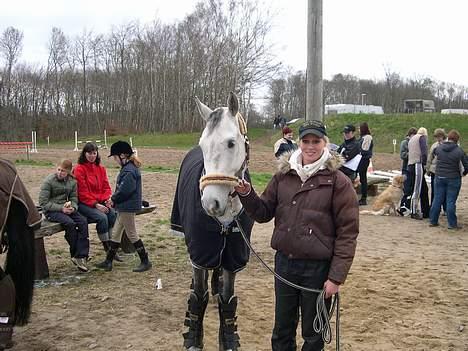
322 319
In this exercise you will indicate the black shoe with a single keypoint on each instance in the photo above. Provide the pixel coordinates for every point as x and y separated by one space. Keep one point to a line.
433 224
105 265
457 227
143 267
362 202
416 216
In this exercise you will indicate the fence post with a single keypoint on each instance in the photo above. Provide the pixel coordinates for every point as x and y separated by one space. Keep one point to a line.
76 141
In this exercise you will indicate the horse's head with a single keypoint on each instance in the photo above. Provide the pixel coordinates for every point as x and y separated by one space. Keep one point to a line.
223 143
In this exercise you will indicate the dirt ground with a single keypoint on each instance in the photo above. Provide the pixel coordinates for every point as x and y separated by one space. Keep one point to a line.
407 289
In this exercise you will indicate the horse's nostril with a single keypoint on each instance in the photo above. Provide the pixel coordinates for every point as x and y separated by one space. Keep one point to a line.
216 205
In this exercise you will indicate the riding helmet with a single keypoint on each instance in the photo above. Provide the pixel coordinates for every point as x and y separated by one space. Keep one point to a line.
120 147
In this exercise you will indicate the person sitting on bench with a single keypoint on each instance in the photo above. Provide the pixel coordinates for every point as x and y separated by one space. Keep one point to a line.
59 201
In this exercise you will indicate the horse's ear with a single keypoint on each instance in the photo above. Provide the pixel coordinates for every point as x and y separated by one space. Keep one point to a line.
204 110
233 104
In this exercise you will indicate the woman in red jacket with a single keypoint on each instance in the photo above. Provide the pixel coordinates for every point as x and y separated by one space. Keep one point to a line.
94 191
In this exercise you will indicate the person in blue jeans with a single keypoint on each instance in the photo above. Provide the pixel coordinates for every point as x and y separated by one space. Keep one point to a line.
448 179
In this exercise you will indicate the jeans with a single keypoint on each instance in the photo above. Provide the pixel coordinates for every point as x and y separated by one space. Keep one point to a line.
290 301
76 231
104 221
446 189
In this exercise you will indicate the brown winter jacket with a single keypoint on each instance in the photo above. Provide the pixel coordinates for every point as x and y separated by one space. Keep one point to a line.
316 220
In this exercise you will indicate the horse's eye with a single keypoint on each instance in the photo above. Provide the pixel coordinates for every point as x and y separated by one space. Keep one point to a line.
230 144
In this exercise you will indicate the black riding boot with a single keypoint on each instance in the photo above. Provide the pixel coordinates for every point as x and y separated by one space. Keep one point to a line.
228 337
106 245
7 310
194 320
107 263
145 263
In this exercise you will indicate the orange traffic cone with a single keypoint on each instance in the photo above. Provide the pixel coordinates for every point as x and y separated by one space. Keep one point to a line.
370 168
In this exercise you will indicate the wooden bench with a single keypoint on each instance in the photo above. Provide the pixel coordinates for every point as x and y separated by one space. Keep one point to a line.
17 145
50 228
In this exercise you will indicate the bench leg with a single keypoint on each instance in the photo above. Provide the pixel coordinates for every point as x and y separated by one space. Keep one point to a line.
42 268
126 245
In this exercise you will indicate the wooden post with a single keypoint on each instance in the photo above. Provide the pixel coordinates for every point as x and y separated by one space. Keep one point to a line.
314 98
42 268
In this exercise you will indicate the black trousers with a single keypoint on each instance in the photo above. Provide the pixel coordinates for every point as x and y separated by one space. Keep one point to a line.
362 169
76 231
290 303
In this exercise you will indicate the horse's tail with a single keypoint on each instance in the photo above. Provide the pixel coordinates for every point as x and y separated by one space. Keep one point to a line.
20 260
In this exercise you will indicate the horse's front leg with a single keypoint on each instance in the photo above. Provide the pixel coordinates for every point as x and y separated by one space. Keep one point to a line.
197 302
227 303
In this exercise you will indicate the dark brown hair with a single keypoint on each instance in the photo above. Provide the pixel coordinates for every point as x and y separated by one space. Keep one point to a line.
411 131
89 147
364 129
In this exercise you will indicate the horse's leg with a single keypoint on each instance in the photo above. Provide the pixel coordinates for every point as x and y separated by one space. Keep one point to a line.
7 309
227 305
20 260
216 281
197 302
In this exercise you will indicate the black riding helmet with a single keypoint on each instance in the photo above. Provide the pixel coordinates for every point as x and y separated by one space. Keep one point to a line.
120 147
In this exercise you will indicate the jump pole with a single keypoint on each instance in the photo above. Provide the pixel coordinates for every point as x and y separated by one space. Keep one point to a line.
76 141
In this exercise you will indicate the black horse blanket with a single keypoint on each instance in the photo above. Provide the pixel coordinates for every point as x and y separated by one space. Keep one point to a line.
12 188
207 245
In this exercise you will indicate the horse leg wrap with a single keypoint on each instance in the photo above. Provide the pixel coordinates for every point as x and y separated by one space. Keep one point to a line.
193 338
228 337
7 308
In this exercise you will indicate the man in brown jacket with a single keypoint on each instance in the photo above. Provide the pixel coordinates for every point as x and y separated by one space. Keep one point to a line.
316 225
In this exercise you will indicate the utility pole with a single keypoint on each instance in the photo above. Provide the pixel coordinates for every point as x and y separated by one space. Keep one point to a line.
314 84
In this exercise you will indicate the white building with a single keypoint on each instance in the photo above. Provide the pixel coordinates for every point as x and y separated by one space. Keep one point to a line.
458 111
350 108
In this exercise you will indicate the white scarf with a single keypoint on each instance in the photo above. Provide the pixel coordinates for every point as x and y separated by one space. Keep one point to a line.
305 172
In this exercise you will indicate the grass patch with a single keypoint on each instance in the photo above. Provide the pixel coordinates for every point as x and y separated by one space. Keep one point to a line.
160 169
260 180
39 163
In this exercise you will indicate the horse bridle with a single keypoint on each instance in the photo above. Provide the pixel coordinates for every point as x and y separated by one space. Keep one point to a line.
232 181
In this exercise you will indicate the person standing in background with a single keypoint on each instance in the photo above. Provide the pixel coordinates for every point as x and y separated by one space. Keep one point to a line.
440 136
367 145
448 179
405 204
286 143
417 159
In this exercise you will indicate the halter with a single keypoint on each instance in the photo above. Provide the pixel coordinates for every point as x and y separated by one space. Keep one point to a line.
222 179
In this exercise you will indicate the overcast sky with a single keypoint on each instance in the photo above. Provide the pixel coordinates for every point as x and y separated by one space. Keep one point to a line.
361 37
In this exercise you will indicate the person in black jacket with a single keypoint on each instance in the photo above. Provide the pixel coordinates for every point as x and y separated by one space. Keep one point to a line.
367 145
349 150
286 143
448 179
127 200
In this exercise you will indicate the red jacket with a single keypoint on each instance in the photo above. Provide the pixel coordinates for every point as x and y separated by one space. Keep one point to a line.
93 184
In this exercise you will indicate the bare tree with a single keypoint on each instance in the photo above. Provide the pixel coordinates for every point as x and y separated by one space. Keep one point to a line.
11 45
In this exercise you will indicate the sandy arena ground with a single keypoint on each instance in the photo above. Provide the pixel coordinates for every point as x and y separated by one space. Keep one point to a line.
407 289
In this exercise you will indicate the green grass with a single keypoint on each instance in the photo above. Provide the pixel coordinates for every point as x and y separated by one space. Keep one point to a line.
384 129
160 169
39 163
260 180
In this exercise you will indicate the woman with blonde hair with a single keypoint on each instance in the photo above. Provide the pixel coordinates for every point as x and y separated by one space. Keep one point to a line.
417 159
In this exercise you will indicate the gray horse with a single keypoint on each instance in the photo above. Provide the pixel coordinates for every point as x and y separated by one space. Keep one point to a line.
205 209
